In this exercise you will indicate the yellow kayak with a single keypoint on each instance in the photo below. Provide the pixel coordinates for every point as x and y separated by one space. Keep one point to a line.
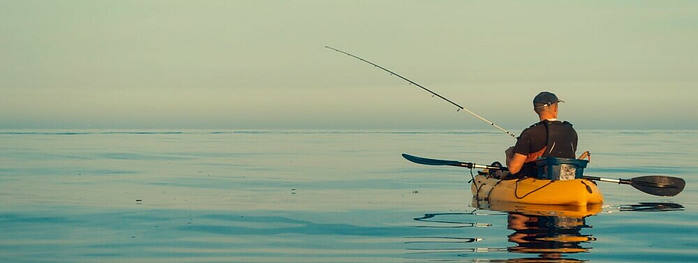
575 192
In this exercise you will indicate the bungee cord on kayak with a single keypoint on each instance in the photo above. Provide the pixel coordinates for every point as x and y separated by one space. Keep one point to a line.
516 189
428 90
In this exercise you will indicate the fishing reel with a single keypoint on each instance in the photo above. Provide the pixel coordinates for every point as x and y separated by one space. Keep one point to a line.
494 170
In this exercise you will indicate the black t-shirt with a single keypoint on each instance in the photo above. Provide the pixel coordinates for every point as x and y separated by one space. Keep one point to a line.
547 139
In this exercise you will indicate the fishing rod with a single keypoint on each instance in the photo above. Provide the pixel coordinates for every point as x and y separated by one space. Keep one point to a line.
428 90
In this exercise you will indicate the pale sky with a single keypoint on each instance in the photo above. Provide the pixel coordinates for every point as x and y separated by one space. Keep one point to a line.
263 65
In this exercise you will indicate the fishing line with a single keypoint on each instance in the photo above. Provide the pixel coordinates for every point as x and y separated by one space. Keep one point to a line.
428 90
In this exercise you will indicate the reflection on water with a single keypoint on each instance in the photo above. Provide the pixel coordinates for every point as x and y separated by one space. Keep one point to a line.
541 233
454 223
553 233
448 244
551 237
652 207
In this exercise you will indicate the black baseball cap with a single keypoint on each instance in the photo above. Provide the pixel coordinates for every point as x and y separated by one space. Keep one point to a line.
545 99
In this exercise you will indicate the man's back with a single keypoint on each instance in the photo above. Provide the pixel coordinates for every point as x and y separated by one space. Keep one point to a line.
558 139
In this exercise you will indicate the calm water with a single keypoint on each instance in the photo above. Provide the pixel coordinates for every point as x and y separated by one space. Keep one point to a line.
320 196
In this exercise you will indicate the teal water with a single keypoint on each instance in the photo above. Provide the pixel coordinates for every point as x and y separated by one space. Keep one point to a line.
321 196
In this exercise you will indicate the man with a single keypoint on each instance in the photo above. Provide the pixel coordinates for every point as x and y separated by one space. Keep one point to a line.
547 138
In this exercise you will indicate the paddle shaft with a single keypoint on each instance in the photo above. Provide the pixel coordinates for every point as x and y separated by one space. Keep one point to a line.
609 180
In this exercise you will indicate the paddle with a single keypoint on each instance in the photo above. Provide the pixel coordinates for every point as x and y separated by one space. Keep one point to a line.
651 184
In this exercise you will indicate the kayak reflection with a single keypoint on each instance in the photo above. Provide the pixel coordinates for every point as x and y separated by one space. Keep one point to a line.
551 231
541 233
548 235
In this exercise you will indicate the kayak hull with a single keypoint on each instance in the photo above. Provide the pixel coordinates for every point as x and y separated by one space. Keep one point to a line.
570 211
576 192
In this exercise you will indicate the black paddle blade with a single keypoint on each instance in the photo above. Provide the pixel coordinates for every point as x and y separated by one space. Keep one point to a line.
658 185
427 161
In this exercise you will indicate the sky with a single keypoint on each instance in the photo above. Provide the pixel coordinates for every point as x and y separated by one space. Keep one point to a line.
263 64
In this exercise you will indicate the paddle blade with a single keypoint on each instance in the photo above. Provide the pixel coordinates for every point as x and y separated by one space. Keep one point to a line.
427 161
659 185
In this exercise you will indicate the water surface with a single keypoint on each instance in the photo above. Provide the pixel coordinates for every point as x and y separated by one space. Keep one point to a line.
320 196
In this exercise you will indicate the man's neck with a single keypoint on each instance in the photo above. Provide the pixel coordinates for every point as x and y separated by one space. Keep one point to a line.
548 117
